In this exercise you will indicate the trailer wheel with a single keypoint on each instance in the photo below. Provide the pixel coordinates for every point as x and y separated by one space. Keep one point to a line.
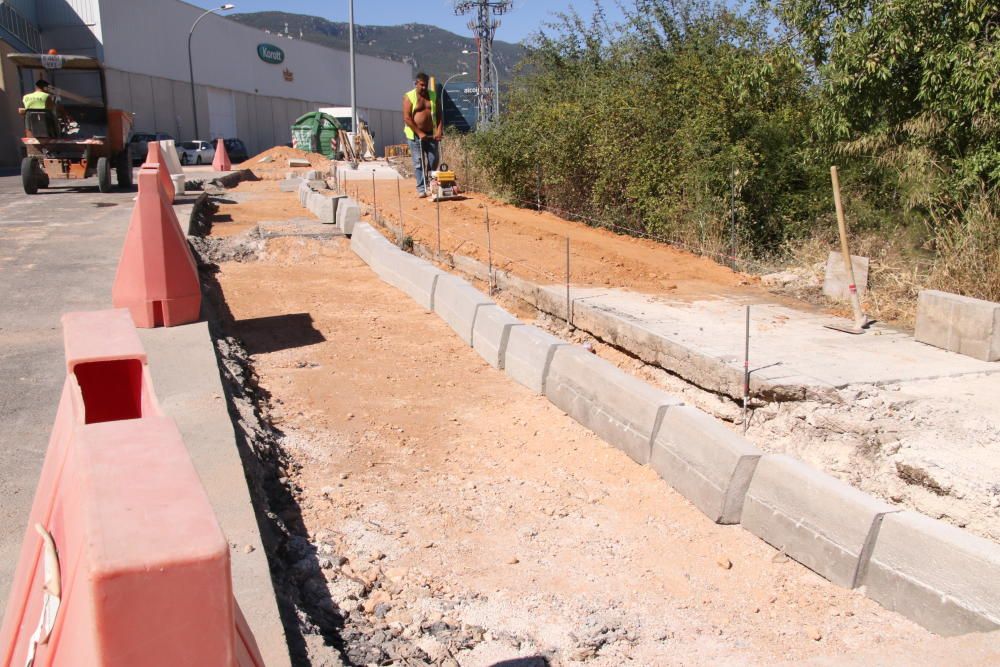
104 174
124 169
28 176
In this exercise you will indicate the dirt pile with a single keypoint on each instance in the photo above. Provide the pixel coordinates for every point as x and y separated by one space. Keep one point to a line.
276 159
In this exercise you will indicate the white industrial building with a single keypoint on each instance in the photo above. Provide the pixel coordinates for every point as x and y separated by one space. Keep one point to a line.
242 90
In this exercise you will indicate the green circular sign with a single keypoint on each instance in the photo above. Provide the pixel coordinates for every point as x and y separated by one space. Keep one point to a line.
270 53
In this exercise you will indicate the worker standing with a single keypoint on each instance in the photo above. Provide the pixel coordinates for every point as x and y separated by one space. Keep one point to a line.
423 126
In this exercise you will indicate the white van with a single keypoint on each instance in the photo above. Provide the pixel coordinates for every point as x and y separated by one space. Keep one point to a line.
343 116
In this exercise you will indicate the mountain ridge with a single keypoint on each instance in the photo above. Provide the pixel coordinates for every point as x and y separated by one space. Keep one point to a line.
425 47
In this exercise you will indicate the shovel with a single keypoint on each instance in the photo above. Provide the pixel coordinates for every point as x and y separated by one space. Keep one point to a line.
861 322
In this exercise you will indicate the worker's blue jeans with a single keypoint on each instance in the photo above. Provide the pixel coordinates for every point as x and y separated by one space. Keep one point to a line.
430 149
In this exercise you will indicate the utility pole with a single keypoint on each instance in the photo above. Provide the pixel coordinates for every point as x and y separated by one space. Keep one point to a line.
354 90
484 28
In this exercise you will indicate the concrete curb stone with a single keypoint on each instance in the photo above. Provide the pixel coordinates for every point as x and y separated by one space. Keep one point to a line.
348 215
412 275
959 323
823 523
490 334
456 301
940 576
705 462
528 355
621 409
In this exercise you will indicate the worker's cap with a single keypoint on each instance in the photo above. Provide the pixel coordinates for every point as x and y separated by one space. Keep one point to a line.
42 83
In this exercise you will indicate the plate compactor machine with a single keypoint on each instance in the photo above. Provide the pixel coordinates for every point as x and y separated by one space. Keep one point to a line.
443 184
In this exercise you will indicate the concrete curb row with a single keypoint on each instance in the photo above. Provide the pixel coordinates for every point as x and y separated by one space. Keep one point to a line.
939 576
337 210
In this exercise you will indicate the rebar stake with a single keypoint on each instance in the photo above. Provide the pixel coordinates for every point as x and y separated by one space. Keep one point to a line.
489 250
569 305
746 372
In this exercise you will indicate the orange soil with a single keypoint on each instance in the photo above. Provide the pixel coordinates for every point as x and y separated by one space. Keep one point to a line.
532 245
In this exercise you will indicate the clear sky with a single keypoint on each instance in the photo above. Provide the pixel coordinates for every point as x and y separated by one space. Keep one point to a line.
524 18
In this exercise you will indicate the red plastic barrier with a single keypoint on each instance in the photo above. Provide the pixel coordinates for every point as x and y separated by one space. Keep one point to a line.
157 279
155 158
129 565
221 160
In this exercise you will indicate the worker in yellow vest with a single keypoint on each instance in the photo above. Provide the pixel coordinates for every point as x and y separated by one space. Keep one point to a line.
422 119
41 99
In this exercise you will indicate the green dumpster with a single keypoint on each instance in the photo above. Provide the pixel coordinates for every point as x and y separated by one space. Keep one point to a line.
316 132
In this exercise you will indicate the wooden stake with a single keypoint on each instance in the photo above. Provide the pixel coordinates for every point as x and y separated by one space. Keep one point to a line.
859 318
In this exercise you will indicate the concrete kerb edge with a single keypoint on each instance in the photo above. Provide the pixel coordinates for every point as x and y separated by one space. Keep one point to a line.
870 543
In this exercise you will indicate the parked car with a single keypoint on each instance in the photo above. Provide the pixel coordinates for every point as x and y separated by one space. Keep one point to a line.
236 150
196 152
138 145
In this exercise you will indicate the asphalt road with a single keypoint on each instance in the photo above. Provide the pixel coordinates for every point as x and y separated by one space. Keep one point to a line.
58 253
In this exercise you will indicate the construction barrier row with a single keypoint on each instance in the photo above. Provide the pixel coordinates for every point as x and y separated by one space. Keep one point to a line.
123 561
938 575
157 276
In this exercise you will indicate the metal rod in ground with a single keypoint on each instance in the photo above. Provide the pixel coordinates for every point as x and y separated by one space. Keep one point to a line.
746 371
374 205
399 196
569 305
538 187
439 227
489 250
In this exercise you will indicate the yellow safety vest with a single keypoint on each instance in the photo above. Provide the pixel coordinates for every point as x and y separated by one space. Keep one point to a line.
36 100
412 96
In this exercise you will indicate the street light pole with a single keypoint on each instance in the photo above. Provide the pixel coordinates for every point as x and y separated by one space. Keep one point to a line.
194 104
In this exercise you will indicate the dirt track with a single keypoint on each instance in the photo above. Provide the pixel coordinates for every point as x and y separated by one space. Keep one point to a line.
478 523
532 244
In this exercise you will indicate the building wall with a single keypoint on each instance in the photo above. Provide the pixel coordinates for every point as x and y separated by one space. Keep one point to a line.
11 124
71 26
262 121
225 56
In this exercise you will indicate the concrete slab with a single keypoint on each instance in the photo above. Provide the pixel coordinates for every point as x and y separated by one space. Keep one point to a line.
290 185
348 215
299 227
836 282
940 576
959 323
703 342
491 332
623 410
704 461
304 191
186 380
456 301
528 356
821 522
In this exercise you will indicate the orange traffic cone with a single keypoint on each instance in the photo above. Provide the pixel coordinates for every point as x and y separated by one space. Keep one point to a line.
155 158
221 161
157 278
